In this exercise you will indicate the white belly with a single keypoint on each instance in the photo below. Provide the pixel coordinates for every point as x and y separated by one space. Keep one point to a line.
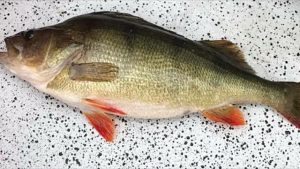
150 111
132 109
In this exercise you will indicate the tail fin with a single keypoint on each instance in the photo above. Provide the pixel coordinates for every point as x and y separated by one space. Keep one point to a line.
291 110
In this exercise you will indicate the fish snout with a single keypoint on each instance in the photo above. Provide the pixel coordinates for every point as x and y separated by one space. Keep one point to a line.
3 56
14 46
15 41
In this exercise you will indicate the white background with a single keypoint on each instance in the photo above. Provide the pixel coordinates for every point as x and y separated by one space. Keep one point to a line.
37 131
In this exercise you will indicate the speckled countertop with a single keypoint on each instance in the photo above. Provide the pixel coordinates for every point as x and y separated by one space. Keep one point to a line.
37 131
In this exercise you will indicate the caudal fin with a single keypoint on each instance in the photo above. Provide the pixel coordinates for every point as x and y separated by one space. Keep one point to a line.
291 110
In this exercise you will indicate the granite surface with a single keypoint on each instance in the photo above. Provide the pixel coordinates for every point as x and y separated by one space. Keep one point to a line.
38 131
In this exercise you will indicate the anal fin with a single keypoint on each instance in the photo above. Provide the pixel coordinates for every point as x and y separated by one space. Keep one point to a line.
225 114
103 124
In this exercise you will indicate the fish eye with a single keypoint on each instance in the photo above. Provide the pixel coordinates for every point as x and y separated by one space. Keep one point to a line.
28 34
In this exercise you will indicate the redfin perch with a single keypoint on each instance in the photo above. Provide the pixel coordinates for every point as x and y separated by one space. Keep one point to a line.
110 63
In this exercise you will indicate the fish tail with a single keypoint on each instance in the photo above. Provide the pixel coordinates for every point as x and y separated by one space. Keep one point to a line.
291 109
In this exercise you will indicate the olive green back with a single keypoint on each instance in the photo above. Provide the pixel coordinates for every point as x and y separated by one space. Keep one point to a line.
159 67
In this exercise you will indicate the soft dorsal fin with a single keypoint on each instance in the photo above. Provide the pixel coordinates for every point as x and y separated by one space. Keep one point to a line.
95 72
230 53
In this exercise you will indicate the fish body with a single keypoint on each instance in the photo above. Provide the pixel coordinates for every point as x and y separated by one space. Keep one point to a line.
113 63
154 68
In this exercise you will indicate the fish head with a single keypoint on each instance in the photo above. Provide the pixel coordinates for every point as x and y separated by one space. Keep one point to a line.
36 55
28 48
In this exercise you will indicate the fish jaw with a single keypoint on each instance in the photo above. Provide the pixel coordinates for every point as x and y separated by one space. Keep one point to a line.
3 56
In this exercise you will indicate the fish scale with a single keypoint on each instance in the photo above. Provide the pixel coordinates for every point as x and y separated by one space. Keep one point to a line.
150 72
112 63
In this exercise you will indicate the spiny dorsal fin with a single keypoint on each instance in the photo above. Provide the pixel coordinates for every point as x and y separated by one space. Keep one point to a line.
230 53
122 15
133 19
95 72
127 17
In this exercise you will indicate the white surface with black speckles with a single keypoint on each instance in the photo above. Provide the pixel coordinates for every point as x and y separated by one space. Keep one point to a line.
37 131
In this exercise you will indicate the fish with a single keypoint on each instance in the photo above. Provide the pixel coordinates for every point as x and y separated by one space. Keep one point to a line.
116 64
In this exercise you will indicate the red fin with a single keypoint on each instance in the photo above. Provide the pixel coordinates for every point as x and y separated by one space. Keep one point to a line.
293 119
104 106
103 124
228 114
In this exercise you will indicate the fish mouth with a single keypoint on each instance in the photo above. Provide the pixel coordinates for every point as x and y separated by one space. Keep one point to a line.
13 50
3 56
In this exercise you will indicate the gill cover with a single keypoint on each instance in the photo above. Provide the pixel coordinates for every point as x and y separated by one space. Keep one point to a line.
37 56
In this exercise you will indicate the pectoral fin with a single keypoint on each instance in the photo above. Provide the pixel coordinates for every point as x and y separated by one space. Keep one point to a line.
225 114
95 72
103 124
